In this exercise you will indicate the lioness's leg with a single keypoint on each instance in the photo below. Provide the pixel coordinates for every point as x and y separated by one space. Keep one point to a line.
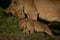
29 9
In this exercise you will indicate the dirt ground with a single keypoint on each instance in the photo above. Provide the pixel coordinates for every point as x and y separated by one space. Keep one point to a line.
23 36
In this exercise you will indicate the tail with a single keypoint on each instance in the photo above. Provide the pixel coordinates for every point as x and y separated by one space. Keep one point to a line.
48 31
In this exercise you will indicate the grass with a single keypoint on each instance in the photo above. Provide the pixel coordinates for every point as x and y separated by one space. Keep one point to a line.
8 23
9 29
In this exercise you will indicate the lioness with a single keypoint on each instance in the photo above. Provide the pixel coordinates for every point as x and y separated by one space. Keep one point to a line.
47 9
16 8
32 25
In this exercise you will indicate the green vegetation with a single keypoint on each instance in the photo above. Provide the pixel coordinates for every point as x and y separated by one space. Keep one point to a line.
8 23
9 29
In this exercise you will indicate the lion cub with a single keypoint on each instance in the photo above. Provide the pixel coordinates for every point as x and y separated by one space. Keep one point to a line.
33 25
27 24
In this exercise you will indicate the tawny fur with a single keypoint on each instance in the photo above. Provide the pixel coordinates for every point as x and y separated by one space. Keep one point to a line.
25 23
16 8
32 25
47 9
